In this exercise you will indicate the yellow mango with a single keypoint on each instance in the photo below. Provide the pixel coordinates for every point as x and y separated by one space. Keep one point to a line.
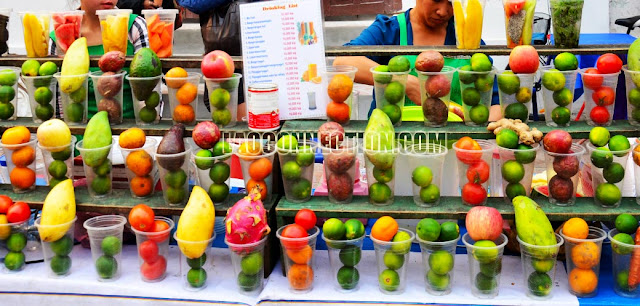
59 208
458 14
196 223
5 230
28 41
473 24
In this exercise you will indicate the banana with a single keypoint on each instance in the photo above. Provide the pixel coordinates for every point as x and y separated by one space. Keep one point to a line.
196 223
532 224
59 208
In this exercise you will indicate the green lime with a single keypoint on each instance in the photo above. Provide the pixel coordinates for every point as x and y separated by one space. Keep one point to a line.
399 63
449 230
199 262
60 264
103 169
43 81
218 192
333 229
393 112
513 190
484 82
8 77
599 136
430 194
563 97
30 68
561 115
248 282
58 169
553 80
106 266
301 189
566 61
401 243
147 114
382 78
466 75
197 277
43 95
601 157
523 95
389 280
512 171
6 110
508 83
525 154
393 260
422 176
471 96
221 117
348 277
101 185
251 264
622 279
428 229
350 256
153 101
54 181
16 242
543 265
608 194
394 93
111 245
438 282
219 173
177 195
14 261
485 251
305 157
479 114
619 248
634 97
176 179
74 112
287 142
219 98
635 114
516 111
491 268
78 96
203 159
379 192
626 223
221 148
383 175
48 68
485 283
7 93
619 143
540 284
230 84
291 170
441 262
507 138
353 229
480 62
62 246
613 173
44 112
61 155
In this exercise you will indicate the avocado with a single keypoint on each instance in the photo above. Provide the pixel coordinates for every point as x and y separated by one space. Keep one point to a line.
145 63
143 88
97 135
172 143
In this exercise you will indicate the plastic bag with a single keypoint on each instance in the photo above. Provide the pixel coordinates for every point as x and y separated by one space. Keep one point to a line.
221 28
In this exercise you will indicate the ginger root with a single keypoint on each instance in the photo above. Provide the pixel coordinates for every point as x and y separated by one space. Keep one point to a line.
525 134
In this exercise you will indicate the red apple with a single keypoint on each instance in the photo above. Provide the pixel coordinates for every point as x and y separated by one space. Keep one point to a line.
217 64
557 141
484 223
205 134
524 59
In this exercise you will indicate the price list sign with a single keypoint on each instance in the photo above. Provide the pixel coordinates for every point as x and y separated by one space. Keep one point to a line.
283 43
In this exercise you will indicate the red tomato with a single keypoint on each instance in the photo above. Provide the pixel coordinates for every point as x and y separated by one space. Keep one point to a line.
473 194
18 212
599 115
148 251
604 96
142 218
306 218
5 202
154 270
609 63
591 80
294 231
478 173
159 226
466 143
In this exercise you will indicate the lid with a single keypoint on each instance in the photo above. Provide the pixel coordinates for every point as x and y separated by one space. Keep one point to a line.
113 12
160 11
263 87
76 12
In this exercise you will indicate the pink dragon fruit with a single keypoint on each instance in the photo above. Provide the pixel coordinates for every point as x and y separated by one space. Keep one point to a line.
246 221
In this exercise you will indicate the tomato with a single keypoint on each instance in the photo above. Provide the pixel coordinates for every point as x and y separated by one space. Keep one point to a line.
473 194
609 63
148 251
478 173
18 212
599 115
604 96
306 218
466 143
5 202
155 269
294 231
142 218
159 226
591 80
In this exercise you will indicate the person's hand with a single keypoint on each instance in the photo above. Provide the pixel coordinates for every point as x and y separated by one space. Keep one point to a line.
151 4
413 90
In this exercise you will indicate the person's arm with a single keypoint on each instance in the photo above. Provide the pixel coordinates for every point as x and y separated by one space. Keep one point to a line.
138 34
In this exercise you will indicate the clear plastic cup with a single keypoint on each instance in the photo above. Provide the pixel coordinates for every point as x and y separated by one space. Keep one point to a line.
477 91
636 170
485 266
435 93
56 160
248 265
66 25
468 22
140 168
327 77
147 97
160 24
381 170
340 170
213 174
97 169
174 175
57 244
296 166
390 91
193 264
474 171
600 96
21 165
183 98
344 257
607 173
583 262
438 260
566 17
35 26
563 182
621 257
557 100
107 87
298 259
223 98
114 24
13 236
430 156
42 97
392 259
105 238
257 169
9 93
515 162
632 80
539 267
519 16
153 251
515 92
73 94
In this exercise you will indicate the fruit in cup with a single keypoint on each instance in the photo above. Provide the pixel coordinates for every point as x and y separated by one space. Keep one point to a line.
609 63
331 134
172 143
246 220
132 138
384 229
338 112
599 115
340 186
36 34
560 189
478 172
429 61
435 110
566 61
591 79
160 36
566 166
217 64
468 145
557 141
206 134
437 86
196 223
604 96
339 88
473 194
524 59
59 208
382 78
115 32
483 223
112 61
109 85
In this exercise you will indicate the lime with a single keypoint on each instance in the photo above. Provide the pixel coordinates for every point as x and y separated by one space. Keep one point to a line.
566 61
563 97
305 157
479 114
60 264
613 173
471 96
43 95
480 62
147 114
512 171
485 251
608 194
58 169
101 185
379 192
383 175
217 192
428 229
516 111
393 112
626 223
197 263
485 283
484 82
219 173
176 178
219 98
350 256
394 93
635 114
513 190
507 138
230 84
449 230
430 194
392 260
107 266
389 280
8 77
78 96
6 110
543 265
619 248
16 242
221 116
62 155
348 277
251 264
399 63
422 176
74 112
441 262
438 282
203 159
525 154
619 143
540 284
561 115
103 169
30 68
153 101
197 277
553 80
601 157
287 142
465 75
333 229
42 81
622 279
248 282
54 181
177 195
111 245
401 243
491 269
353 229
7 93
14 261
599 136
301 189
634 97
382 78
48 68
44 112
291 170
62 246
523 95
508 82
221 148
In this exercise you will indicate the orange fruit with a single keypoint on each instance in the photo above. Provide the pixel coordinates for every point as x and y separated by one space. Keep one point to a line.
23 157
300 276
22 178
585 255
184 114
340 87
249 148
187 93
140 162
263 187
583 281
385 228
176 72
576 228
338 112
300 256
132 138
16 135
260 169
142 186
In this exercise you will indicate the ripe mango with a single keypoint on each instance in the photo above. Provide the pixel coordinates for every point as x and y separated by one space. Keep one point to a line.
195 225
59 208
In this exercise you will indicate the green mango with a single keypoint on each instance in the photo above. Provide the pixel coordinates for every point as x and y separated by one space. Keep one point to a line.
379 134
633 61
97 135
533 227
383 161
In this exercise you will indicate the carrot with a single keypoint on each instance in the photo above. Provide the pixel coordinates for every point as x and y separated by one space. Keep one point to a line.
634 266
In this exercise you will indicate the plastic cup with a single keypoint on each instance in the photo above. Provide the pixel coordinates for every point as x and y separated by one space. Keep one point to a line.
340 170
223 98
9 93
298 259
632 80
438 272
468 22
257 169
477 90
13 236
344 257
621 258
73 97
390 91
381 170
42 97
67 23
114 24
147 96
21 165
296 166
515 91
583 262
55 158
600 96
174 175
193 261
153 252
539 267
485 266
105 238
557 102
107 87
97 169
636 170
248 265
515 162
474 164
566 16
519 24
607 173
435 93
160 24
392 259
57 244
208 169
35 26
327 77
430 156
183 98
140 168
568 166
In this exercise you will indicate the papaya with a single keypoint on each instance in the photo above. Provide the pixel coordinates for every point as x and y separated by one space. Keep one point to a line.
196 223
533 226
97 135
633 61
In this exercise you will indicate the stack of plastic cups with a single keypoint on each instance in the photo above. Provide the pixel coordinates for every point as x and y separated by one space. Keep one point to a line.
223 98
257 170
67 23
632 80
105 238
607 173
636 170
468 22
390 89
14 237
107 87
174 175
21 164
558 95
97 169
562 175
435 93
474 169
485 265
297 170
519 16
8 93
428 161
35 26
140 170
392 259
114 24
622 256
566 18
58 161
42 96
539 267
147 94
327 77
183 98
193 259
153 251
438 277
73 95
57 244
160 25
600 96
344 256
298 255
477 91
515 92
517 171
583 262
213 174
340 170
248 265
381 166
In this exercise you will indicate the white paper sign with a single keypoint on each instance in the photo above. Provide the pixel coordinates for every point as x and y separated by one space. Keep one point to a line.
283 43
